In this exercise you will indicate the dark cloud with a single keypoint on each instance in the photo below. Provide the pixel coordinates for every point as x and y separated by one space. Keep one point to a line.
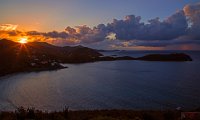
56 34
54 37
126 29
171 28
132 28
70 30
53 34
86 34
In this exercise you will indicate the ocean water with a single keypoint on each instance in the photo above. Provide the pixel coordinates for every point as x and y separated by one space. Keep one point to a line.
107 85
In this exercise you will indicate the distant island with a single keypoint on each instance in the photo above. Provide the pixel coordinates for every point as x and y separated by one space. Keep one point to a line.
40 56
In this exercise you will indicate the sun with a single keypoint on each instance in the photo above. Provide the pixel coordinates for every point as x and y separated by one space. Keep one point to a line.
23 40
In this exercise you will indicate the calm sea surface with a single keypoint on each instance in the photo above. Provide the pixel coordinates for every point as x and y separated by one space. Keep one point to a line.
107 85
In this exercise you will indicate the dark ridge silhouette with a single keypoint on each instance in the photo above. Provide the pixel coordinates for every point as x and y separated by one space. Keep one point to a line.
39 56
112 58
166 57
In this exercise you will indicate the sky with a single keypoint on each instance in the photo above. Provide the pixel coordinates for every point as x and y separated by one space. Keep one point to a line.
48 15
45 16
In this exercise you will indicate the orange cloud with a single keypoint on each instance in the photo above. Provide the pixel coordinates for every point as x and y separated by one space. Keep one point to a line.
8 27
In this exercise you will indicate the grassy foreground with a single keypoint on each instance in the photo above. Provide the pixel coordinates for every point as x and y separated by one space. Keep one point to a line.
32 114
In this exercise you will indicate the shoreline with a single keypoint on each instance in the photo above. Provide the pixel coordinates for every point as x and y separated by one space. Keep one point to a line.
34 70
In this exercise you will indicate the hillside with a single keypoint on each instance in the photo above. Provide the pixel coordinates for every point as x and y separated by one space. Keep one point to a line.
38 56
35 56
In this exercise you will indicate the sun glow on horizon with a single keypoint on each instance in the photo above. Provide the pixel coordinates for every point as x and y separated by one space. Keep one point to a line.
23 40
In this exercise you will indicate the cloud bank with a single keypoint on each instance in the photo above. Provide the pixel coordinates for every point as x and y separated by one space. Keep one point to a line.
182 27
